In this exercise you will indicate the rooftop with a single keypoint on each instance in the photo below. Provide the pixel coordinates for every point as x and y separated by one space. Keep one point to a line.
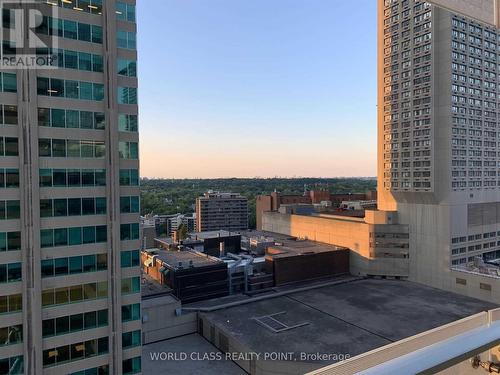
348 318
212 234
172 258
151 287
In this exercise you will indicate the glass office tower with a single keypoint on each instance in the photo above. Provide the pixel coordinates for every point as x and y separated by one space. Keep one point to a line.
69 190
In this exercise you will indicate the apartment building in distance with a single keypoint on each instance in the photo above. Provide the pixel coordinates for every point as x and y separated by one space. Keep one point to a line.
69 260
221 211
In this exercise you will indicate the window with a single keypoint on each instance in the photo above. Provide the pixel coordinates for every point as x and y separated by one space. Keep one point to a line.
130 258
9 82
126 39
74 323
128 150
129 231
73 265
127 68
125 12
75 293
71 29
8 114
70 89
131 339
73 236
12 365
131 285
10 241
127 95
12 303
10 272
75 352
11 335
129 204
131 366
71 148
131 312
127 123
129 177
10 210
60 118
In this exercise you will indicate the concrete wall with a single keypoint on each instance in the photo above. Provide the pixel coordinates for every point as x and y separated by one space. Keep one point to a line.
353 233
160 321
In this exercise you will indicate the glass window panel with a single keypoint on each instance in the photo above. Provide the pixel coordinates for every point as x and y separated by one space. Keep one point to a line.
59 148
102 317
10 114
71 59
134 150
4 304
47 237
45 176
47 268
12 178
72 89
60 207
14 272
58 118
48 297
102 289
96 34
13 241
134 177
99 149
3 241
76 322
60 237
90 320
98 91
125 177
86 120
15 302
125 259
84 32
13 210
59 177
102 262
101 233
76 293
75 264
43 117
70 29
86 90
88 235
62 325
73 148
87 148
44 147
74 176
100 177
62 295
42 86
90 291
72 119
97 63
48 327
9 82
3 273
88 206
56 87
75 236
100 206
61 266
74 206
85 61
99 121
88 177
134 204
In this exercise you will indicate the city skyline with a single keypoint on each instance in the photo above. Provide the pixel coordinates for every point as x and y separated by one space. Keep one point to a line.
231 78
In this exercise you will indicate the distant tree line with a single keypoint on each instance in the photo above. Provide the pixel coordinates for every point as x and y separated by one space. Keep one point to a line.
169 196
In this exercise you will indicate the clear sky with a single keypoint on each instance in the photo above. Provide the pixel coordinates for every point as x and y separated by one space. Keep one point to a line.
247 88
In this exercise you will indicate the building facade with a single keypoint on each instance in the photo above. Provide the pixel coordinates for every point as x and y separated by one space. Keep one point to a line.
69 266
438 136
221 211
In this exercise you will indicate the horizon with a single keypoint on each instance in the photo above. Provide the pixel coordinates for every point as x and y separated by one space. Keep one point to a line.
238 89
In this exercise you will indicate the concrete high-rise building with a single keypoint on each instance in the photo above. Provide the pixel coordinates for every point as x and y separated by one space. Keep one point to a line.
221 211
439 136
69 238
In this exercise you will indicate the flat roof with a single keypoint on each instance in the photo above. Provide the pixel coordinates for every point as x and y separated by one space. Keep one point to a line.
193 346
151 287
349 318
172 258
212 234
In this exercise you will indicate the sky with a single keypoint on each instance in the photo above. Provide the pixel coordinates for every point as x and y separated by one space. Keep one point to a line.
257 88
